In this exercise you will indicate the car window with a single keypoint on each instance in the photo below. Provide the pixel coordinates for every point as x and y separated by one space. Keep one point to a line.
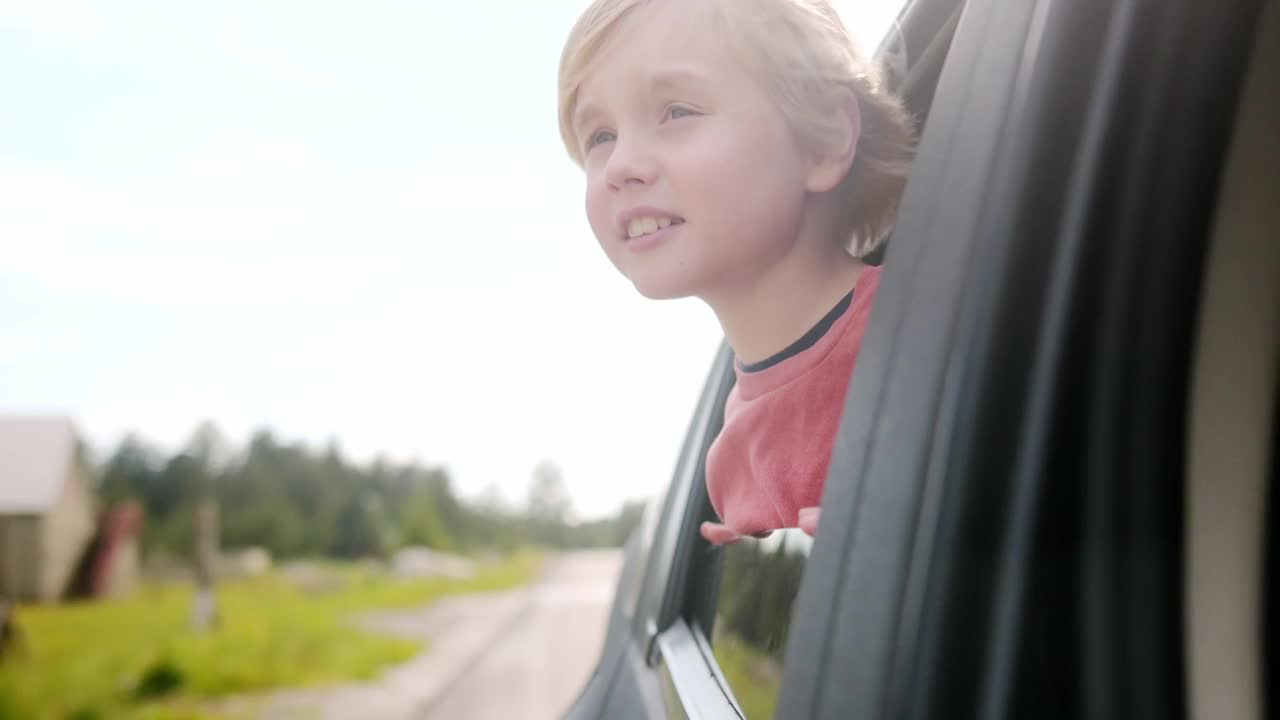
759 579
744 612
732 605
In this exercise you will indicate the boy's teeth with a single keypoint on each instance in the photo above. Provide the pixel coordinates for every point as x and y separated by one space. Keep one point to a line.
644 226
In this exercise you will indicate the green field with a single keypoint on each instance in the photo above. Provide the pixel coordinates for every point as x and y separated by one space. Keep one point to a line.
753 676
139 658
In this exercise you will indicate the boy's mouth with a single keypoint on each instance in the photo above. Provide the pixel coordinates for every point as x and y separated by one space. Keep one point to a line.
642 225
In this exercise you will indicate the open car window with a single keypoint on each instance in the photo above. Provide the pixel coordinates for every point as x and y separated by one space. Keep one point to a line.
725 652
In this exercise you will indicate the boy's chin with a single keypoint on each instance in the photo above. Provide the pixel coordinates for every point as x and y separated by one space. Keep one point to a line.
661 290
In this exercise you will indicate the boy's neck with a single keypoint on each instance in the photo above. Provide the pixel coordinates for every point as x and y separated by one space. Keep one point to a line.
782 305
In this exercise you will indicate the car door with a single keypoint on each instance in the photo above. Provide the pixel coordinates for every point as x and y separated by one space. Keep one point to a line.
1003 532
1010 485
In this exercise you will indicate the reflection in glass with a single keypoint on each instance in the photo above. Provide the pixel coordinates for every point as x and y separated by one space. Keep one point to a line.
758 585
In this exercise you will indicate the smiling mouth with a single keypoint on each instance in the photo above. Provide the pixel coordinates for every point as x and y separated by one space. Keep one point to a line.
640 227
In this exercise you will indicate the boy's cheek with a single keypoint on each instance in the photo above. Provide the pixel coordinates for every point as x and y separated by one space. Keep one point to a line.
596 218
602 229
594 207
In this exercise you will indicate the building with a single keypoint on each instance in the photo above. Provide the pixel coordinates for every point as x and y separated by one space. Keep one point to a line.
47 510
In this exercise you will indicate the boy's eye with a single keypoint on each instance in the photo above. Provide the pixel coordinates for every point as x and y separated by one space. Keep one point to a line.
675 112
600 136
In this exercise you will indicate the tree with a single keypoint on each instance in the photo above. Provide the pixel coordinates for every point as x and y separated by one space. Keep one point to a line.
362 529
548 507
549 501
209 447
421 524
293 500
130 472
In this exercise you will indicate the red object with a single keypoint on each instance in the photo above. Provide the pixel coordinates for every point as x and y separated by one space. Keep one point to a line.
117 525
770 460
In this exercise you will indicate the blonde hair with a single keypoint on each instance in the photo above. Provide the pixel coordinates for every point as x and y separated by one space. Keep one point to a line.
803 51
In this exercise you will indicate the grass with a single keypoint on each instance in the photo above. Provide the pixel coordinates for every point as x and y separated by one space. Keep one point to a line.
753 676
138 657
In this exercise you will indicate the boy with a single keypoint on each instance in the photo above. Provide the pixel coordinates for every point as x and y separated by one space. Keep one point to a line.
739 151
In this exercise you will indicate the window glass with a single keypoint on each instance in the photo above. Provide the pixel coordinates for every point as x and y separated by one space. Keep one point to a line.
758 585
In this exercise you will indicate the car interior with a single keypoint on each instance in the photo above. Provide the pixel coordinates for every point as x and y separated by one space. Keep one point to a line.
1231 539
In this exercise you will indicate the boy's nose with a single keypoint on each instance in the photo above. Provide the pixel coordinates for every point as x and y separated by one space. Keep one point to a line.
630 164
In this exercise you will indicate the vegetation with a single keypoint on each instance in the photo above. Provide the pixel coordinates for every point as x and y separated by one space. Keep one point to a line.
757 589
754 677
758 585
296 502
138 657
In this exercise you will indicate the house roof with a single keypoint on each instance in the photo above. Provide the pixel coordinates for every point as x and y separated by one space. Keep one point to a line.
35 458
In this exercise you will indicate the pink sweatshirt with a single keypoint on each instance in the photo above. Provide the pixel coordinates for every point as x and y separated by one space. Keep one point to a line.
770 459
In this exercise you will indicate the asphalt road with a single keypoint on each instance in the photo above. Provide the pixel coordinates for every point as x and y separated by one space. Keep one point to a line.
535 667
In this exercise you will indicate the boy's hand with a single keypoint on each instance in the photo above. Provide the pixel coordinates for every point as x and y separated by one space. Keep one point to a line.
718 534
808 520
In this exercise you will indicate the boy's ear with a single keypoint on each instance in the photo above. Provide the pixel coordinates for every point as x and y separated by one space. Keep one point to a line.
833 158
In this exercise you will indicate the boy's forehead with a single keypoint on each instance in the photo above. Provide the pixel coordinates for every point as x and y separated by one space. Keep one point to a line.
658 39
674 17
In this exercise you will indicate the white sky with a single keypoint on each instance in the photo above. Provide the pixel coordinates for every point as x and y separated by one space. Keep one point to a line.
334 221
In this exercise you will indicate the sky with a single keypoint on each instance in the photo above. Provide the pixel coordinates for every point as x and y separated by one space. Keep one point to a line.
340 222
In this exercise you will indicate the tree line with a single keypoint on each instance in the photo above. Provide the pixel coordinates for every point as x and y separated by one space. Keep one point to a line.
298 501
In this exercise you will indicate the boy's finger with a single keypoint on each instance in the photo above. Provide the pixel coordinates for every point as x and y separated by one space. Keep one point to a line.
808 520
718 534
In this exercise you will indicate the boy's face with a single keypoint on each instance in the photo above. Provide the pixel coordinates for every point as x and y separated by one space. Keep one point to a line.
695 183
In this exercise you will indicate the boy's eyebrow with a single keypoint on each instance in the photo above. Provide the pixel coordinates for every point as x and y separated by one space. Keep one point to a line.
581 114
676 77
